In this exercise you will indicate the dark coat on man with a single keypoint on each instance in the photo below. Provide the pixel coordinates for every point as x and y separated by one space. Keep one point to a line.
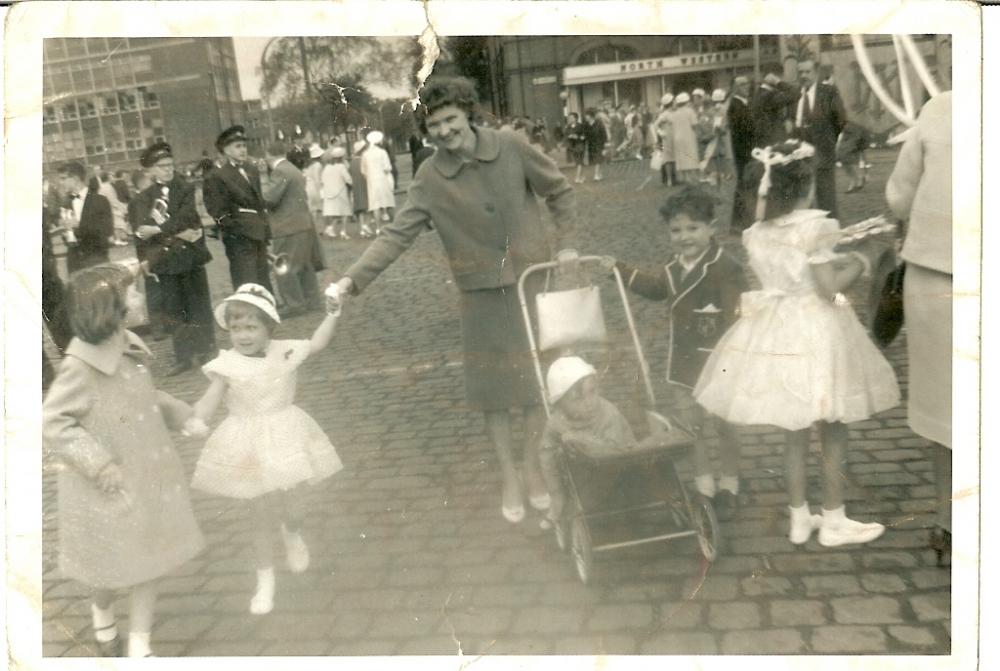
93 234
703 305
298 156
821 126
179 266
237 205
768 111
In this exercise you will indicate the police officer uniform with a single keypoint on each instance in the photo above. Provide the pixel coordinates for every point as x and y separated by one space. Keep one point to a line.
234 199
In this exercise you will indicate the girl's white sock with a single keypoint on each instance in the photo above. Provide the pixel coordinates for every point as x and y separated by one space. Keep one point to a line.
705 484
105 629
263 599
730 483
138 644
835 515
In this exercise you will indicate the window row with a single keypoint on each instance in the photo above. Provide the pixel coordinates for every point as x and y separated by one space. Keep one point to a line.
83 108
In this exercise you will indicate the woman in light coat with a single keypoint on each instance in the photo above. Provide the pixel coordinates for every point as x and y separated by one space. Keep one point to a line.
378 171
336 191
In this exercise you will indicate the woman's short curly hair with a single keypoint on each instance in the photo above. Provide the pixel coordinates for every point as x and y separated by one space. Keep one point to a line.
439 92
789 182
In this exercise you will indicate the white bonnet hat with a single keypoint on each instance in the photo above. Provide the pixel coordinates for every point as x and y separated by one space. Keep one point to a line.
375 137
564 373
718 96
698 92
251 293
315 151
682 98
667 99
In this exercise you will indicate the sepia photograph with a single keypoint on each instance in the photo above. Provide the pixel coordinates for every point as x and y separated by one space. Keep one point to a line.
625 340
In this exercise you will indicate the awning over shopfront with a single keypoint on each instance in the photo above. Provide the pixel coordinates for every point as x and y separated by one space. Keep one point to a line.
662 65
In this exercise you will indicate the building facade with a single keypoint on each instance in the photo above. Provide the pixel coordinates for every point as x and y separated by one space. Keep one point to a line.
106 99
551 76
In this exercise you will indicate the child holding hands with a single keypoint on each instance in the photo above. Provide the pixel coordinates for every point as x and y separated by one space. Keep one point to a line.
125 516
266 447
798 356
702 285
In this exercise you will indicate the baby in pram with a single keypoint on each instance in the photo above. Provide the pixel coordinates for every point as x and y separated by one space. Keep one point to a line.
581 420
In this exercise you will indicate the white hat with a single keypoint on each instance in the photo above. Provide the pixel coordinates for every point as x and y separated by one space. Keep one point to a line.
718 96
682 98
698 92
251 293
564 373
315 151
667 99
337 152
375 137
358 146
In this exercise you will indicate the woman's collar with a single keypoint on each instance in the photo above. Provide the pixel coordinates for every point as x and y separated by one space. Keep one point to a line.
106 355
487 149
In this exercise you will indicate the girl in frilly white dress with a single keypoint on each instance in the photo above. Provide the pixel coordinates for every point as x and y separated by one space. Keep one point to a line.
798 356
266 447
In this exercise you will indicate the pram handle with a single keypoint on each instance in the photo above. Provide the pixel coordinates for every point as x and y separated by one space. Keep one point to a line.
532 342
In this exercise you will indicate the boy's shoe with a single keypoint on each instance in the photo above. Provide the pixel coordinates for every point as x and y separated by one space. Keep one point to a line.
296 550
837 529
263 599
802 523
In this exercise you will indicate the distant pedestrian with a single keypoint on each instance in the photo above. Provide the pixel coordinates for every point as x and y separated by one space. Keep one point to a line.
663 131
125 515
850 154
298 155
378 173
741 132
266 448
336 191
575 146
685 125
820 118
86 217
359 186
314 182
798 356
595 140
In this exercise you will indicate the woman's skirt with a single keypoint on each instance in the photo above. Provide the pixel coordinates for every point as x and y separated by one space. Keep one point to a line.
499 371
927 305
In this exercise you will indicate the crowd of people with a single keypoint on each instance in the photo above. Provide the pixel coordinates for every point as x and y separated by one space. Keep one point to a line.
124 510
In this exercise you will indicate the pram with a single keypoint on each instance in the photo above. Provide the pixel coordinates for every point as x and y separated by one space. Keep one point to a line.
625 500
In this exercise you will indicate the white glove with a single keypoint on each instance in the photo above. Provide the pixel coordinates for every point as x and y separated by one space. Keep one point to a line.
195 427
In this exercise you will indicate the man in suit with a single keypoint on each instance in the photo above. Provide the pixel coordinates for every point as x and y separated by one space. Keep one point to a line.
298 155
768 111
293 231
819 119
741 135
88 215
234 199
171 242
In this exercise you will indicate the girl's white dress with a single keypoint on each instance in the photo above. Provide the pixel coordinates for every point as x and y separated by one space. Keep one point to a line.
794 358
266 443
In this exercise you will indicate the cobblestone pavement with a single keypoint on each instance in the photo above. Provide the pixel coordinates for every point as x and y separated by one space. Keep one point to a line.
410 553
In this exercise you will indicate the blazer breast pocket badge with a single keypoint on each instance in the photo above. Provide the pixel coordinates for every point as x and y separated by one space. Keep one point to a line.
707 320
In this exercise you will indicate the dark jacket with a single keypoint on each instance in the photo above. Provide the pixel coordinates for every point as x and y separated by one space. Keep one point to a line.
822 128
167 254
694 326
236 204
594 137
769 110
740 130
287 202
298 156
92 235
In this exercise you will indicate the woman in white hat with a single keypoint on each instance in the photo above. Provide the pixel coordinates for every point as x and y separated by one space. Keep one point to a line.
360 188
685 123
336 190
664 131
378 171
313 174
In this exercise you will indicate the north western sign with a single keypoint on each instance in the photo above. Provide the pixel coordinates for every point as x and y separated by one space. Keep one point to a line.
665 65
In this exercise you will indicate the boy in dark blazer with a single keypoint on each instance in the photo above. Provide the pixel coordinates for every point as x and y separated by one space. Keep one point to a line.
702 284
88 214
234 199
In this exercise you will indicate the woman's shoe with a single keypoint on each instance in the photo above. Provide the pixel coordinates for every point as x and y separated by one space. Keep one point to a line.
513 515
540 501
940 542
296 550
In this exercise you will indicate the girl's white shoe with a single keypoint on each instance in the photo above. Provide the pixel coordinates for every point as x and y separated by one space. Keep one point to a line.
263 600
296 550
802 523
838 529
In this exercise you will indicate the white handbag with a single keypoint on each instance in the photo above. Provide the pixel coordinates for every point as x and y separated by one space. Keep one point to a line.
570 317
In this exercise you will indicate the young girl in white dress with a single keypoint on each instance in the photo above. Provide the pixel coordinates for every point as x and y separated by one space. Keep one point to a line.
798 356
266 447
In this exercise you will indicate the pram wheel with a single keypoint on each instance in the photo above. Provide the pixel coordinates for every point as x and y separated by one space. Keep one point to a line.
707 526
583 555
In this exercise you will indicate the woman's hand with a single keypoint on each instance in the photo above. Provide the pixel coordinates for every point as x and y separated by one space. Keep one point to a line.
146 231
110 478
